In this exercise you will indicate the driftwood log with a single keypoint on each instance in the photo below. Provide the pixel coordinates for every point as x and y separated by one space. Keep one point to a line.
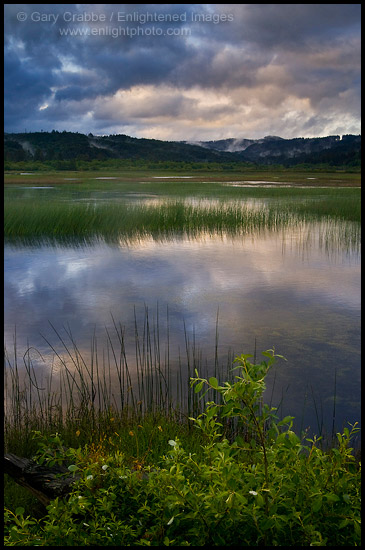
44 482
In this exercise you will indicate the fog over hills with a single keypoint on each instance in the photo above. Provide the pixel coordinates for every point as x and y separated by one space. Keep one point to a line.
274 149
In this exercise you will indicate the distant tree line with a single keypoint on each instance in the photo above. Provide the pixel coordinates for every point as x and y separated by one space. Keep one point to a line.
74 151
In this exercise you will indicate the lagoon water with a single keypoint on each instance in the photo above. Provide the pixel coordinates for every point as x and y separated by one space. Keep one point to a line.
297 289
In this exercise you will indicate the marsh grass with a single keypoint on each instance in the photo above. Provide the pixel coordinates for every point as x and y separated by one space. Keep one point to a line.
130 396
30 220
78 393
117 386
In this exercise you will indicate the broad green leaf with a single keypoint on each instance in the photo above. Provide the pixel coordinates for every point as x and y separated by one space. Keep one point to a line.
357 527
331 497
294 439
285 420
343 523
317 504
212 411
281 438
259 500
241 499
213 382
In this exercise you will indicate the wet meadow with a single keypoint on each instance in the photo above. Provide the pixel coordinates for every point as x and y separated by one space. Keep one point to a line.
122 286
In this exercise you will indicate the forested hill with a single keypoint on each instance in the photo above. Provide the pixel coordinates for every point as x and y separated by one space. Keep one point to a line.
276 150
66 146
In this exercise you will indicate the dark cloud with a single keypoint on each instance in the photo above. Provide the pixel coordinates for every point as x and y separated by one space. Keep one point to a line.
294 26
26 87
247 62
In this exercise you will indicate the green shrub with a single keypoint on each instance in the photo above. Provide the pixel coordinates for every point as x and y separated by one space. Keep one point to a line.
265 488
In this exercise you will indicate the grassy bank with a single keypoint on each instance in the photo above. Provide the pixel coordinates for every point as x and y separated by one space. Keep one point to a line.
233 474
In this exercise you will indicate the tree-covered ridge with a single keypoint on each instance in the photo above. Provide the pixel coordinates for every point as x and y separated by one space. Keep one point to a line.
56 145
73 146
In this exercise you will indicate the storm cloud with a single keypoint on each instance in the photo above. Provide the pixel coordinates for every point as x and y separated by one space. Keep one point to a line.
183 71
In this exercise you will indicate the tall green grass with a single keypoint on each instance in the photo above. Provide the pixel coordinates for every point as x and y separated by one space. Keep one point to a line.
71 390
31 219
123 376
27 220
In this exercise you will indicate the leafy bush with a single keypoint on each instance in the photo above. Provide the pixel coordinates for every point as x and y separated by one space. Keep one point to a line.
265 488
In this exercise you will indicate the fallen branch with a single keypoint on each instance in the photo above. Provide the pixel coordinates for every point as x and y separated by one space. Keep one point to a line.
44 482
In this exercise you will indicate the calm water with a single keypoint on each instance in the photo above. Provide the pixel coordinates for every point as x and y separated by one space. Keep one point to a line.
295 289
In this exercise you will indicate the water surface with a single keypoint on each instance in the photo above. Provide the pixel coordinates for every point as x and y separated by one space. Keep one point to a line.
296 289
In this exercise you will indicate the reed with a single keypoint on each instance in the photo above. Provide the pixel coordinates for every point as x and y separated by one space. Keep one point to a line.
81 393
30 221
127 378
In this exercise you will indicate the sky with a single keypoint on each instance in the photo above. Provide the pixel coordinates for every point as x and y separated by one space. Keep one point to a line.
183 71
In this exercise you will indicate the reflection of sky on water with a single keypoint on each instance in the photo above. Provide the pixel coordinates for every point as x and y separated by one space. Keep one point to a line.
278 288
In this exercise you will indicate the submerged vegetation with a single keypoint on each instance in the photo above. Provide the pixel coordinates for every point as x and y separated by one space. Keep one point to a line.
233 474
